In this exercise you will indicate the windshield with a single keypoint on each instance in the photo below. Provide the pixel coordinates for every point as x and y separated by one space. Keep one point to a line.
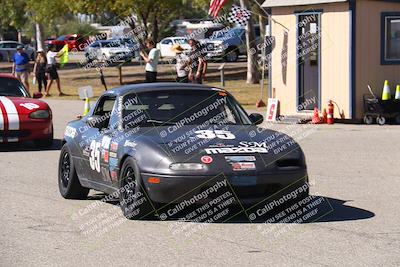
182 107
12 87
182 41
61 38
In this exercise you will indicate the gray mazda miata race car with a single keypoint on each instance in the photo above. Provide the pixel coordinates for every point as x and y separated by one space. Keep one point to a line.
166 143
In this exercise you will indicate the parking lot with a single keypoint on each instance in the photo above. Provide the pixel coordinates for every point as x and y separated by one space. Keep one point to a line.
354 168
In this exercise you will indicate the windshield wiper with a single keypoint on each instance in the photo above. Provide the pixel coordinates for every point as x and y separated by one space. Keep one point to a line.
159 122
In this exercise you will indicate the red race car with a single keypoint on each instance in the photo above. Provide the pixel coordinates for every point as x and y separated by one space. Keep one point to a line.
74 41
23 118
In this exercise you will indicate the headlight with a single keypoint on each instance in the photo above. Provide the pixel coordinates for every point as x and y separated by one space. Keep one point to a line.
186 166
40 114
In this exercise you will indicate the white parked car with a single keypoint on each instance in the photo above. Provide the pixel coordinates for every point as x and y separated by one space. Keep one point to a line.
112 49
166 44
9 48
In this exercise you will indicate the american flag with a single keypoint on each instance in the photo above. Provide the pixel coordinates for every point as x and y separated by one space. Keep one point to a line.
215 7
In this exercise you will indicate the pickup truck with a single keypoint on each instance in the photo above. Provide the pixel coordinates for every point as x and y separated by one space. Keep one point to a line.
229 44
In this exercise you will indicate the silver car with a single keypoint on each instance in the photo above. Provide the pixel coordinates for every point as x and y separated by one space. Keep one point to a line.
9 48
112 50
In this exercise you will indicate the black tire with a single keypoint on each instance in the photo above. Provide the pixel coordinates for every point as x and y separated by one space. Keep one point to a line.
381 120
68 181
368 119
133 199
231 55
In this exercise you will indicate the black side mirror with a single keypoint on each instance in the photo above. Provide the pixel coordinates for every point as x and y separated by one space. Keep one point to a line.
96 121
256 118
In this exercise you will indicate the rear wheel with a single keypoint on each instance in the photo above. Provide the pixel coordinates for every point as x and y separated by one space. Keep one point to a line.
132 198
68 181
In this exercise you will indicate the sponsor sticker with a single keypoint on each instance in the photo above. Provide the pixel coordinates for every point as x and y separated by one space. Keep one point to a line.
113 154
86 151
114 146
235 150
206 159
70 132
240 158
130 144
113 162
105 142
105 155
243 166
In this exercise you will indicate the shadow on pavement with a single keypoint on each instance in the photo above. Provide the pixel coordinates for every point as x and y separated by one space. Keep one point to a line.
29 146
320 210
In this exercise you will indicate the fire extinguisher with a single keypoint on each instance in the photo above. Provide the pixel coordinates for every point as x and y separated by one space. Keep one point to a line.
330 119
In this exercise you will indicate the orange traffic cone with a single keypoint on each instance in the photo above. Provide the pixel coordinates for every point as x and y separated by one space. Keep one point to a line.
316 119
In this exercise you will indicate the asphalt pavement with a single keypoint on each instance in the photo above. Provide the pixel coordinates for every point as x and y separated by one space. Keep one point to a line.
353 168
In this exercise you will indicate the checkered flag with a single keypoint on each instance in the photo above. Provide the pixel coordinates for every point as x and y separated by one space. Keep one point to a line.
239 15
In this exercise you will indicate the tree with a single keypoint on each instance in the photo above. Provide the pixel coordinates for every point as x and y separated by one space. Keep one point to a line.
44 11
12 13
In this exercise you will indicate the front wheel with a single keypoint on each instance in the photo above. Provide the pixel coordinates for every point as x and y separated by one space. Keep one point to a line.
368 119
232 55
132 197
68 181
381 120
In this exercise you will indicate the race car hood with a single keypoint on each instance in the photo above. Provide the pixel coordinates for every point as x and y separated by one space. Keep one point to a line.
21 105
158 147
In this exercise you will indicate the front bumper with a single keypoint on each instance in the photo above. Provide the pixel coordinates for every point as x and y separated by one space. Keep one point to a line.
34 129
248 188
217 54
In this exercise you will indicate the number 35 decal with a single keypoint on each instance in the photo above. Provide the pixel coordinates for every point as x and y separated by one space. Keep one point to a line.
209 134
94 158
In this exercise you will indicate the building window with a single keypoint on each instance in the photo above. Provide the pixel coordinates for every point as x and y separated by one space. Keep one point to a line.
390 38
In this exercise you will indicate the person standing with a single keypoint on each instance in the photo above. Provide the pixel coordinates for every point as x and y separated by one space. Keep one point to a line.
151 60
198 64
182 64
39 70
20 66
51 69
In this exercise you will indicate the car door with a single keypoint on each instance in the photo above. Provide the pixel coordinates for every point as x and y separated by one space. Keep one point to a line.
165 48
99 141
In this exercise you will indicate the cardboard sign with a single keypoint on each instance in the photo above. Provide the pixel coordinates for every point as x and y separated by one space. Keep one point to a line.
85 92
272 109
